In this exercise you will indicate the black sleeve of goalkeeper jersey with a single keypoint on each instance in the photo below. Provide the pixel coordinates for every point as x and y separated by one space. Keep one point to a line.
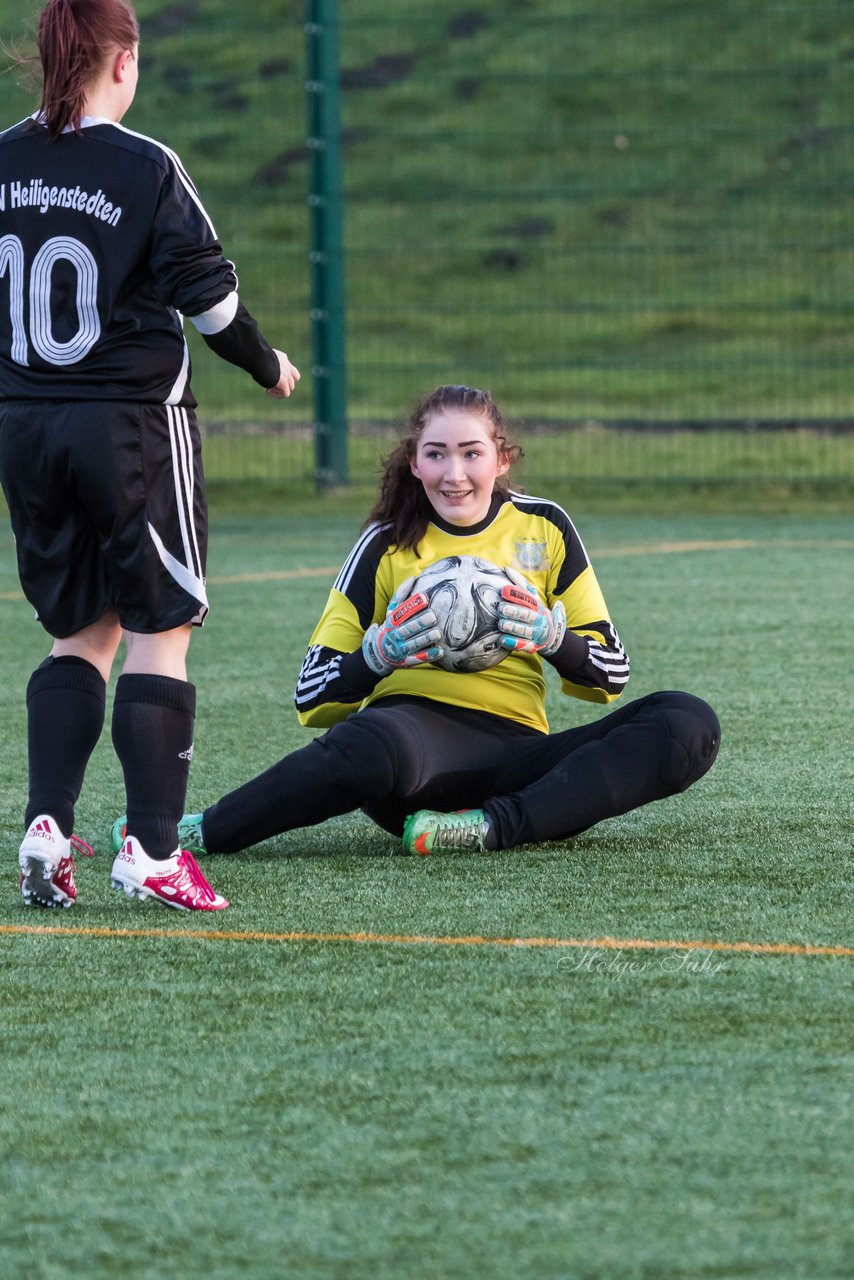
606 664
572 654
242 343
330 676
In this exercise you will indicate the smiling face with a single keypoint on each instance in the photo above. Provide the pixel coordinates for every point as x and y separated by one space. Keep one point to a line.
457 461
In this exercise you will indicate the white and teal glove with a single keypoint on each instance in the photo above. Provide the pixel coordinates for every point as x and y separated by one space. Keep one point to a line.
527 625
409 636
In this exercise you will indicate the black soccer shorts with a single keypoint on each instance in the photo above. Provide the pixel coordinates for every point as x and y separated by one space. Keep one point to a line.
108 509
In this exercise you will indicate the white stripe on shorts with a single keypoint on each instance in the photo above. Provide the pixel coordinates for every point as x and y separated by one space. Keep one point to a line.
189 573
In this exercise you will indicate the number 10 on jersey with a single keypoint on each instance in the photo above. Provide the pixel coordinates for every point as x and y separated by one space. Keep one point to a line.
41 338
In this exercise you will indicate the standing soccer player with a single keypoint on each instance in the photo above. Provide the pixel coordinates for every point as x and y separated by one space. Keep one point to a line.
104 245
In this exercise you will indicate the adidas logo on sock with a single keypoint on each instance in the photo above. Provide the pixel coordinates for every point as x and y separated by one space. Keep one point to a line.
186 755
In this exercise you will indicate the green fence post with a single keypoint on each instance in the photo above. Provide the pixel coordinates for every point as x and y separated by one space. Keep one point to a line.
326 255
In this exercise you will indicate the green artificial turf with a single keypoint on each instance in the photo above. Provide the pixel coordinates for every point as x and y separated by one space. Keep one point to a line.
191 1107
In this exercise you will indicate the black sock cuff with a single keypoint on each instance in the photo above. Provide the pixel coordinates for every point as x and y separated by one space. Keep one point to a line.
68 673
157 691
491 839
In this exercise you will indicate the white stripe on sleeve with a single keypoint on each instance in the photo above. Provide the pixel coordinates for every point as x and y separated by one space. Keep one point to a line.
218 317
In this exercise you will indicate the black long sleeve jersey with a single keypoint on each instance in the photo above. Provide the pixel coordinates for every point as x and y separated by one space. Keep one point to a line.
104 246
533 535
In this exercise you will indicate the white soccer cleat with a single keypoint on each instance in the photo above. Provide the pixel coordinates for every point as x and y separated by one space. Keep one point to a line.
176 882
47 865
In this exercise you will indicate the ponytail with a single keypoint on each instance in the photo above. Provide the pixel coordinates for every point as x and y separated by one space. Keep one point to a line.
75 39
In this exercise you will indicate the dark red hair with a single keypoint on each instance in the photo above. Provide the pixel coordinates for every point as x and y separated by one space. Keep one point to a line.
76 37
402 500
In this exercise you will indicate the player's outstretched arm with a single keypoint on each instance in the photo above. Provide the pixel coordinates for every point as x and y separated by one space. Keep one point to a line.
232 333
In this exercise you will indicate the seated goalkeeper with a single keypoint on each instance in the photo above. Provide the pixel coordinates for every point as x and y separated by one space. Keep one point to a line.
464 760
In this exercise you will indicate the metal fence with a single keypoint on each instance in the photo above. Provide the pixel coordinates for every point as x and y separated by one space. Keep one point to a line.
631 219
614 215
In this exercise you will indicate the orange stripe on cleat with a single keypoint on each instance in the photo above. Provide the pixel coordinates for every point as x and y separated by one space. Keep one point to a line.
421 846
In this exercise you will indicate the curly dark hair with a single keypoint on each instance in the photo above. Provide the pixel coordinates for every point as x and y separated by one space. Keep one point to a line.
402 501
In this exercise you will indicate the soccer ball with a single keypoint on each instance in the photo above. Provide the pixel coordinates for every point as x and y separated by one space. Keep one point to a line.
464 593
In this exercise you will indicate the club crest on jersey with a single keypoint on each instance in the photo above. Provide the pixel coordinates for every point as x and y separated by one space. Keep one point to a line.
532 554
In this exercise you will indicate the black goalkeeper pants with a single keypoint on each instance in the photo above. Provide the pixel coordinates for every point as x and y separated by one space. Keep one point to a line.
404 754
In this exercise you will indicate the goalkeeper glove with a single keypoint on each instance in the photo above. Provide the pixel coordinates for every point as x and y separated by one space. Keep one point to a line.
408 637
528 626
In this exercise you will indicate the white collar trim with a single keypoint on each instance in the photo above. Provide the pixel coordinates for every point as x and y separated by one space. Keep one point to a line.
86 123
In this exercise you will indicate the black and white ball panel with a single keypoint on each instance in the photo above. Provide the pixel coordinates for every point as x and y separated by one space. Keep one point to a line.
464 593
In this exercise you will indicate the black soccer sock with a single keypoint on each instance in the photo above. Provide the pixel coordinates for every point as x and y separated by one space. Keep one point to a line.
153 718
65 715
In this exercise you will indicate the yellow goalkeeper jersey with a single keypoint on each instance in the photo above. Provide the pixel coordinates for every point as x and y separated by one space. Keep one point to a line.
530 534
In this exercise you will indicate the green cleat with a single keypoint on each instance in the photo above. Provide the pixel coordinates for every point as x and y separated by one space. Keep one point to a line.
427 832
118 833
189 833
